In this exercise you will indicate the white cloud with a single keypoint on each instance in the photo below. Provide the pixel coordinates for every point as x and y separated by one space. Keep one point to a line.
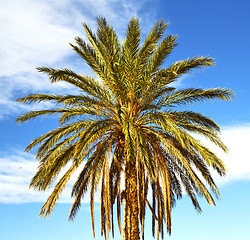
17 168
237 160
16 171
37 33
31 35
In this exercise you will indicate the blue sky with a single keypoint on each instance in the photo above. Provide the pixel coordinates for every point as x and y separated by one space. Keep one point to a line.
37 33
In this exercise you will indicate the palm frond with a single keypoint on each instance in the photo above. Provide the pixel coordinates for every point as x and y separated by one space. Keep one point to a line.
190 95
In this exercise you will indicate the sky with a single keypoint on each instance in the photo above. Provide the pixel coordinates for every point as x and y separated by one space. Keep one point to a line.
38 32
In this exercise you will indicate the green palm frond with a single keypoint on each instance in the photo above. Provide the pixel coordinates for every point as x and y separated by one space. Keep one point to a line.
193 117
188 96
184 66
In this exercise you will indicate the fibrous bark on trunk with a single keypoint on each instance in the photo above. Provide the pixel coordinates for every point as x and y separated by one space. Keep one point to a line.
131 209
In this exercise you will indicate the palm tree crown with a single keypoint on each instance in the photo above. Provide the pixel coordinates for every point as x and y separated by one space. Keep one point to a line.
125 133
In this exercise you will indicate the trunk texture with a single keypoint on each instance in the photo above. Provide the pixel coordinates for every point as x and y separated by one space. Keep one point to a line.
131 210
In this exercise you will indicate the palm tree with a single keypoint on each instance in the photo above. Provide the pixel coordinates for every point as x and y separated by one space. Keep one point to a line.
124 132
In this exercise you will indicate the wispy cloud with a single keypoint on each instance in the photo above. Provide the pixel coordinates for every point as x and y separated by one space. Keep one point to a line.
37 33
17 168
16 172
33 33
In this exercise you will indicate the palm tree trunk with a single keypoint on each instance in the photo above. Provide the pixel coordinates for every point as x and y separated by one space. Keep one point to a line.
131 210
